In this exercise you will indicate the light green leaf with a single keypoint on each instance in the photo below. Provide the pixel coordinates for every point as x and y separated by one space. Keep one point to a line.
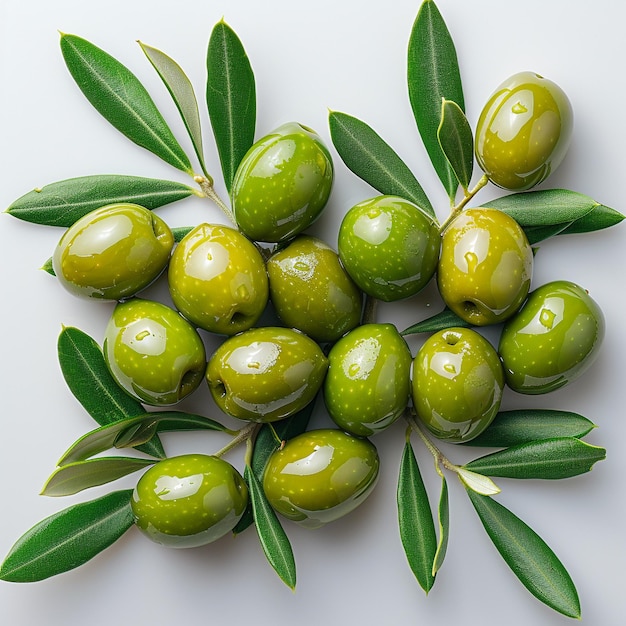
440 321
457 142
477 482
443 516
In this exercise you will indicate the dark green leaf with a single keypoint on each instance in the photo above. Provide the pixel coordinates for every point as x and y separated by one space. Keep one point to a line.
415 518
535 234
432 75
547 459
75 477
64 202
599 218
443 516
231 98
179 232
118 96
47 267
374 161
68 538
457 142
510 428
440 321
530 558
86 374
274 541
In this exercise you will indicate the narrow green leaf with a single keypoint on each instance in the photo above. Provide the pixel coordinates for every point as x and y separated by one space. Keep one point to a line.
443 516
68 538
75 477
530 558
88 377
477 482
415 518
599 218
119 97
274 541
47 267
513 427
231 98
183 94
64 202
563 457
535 234
179 232
440 321
457 141
432 75
374 161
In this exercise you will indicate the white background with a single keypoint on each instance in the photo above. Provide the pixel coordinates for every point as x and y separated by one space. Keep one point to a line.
347 56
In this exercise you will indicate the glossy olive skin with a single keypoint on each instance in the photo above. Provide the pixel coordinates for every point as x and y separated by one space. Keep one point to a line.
523 131
485 267
266 374
552 340
320 476
113 252
457 384
154 354
311 291
368 383
189 500
282 184
217 279
389 246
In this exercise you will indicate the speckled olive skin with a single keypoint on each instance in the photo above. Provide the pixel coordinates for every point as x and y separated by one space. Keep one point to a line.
320 476
188 501
457 384
217 279
266 374
389 246
553 339
485 267
282 184
154 354
113 252
523 131
368 383
311 291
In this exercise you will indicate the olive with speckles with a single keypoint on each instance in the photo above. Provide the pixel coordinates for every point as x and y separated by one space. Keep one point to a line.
282 184
320 476
311 291
266 374
485 266
553 339
523 131
368 383
457 384
217 279
154 354
389 246
113 252
189 500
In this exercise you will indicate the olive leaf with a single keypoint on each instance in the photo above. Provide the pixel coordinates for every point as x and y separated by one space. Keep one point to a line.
367 155
443 517
530 558
119 96
477 482
598 218
63 202
183 94
513 427
415 519
440 321
68 538
230 97
456 141
179 232
432 75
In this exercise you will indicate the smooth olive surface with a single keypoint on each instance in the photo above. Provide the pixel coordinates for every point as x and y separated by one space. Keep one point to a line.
457 384
266 374
485 267
368 383
217 279
188 501
553 339
389 246
320 476
113 252
282 184
311 291
523 131
153 353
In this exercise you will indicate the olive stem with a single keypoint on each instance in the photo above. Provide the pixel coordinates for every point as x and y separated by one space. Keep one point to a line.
369 310
206 184
440 457
469 194
247 434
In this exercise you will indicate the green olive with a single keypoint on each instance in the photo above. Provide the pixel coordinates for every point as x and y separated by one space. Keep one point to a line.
553 339
320 476
113 252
